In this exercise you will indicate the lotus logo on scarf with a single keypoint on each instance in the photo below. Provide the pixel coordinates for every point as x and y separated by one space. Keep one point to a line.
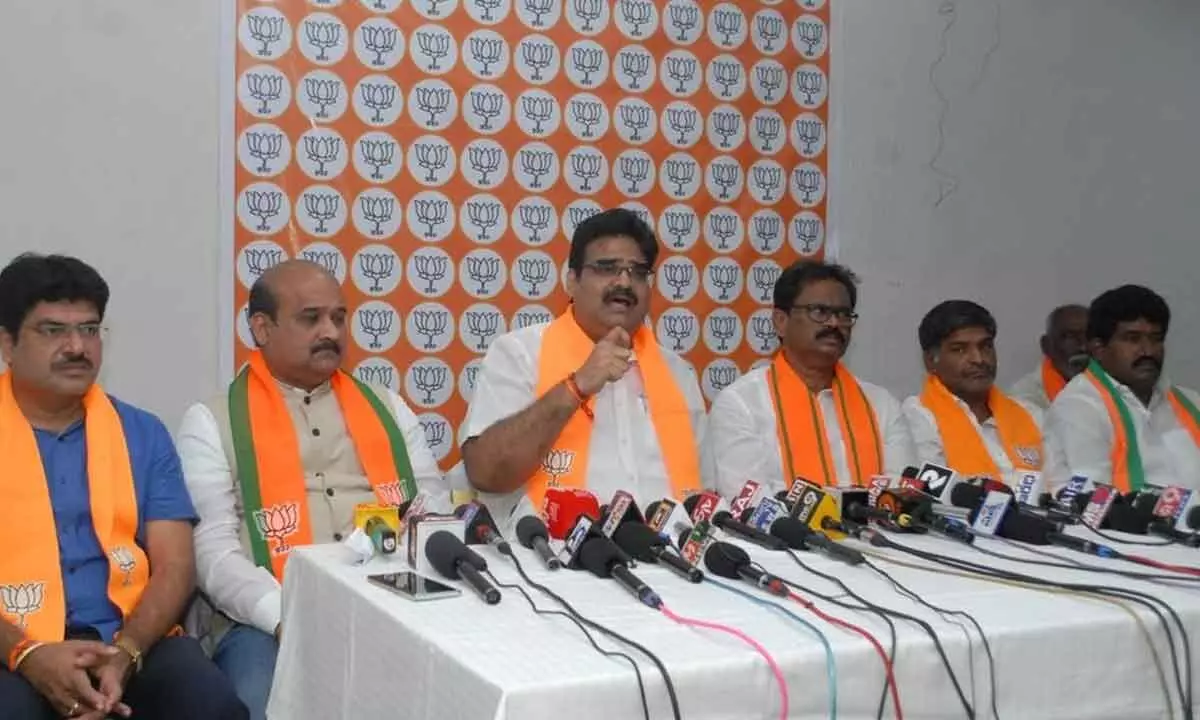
277 523
21 601
1029 456
558 463
125 561
390 494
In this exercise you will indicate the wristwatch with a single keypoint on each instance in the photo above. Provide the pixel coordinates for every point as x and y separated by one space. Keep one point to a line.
135 655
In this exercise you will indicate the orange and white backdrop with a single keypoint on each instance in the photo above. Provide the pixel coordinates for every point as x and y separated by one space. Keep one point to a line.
436 156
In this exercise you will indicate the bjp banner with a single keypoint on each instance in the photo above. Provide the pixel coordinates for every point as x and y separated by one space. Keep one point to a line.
436 156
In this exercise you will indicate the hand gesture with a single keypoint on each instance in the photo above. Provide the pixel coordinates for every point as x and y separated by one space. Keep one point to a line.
59 671
609 361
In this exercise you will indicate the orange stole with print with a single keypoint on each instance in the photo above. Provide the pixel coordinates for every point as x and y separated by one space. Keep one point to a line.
565 348
963 445
32 595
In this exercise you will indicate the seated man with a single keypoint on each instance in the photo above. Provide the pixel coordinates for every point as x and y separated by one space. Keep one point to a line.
281 459
961 419
589 400
1121 421
95 523
1064 355
806 415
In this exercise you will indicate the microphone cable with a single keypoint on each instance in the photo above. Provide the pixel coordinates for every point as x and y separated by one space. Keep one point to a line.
1146 600
586 633
600 628
1070 563
758 648
1120 604
889 677
884 613
830 659
947 615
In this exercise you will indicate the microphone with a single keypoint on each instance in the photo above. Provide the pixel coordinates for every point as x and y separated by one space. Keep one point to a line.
725 521
938 481
600 557
644 544
562 508
480 526
746 497
383 537
1193 519
1030 487
1163 527
816 508
730 561
799 536
532 533
452 559
621 508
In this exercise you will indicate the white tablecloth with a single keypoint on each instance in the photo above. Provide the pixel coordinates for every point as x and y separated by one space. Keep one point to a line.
353 650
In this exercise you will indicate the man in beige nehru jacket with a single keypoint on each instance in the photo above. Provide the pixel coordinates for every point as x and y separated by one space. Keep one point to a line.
281 459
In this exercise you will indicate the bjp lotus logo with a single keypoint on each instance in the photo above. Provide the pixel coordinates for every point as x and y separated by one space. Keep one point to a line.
126 562
277 523
21 601
390 494
1030 456
558 463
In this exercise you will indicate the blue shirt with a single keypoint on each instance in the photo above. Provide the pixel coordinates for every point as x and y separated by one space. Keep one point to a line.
161 495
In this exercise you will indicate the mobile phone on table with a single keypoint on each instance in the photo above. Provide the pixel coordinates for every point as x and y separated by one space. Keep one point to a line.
413 586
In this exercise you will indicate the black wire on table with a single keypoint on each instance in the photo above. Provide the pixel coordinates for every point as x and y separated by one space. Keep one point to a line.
607 653
946 613
1143 599
600 628
1071 564
882 612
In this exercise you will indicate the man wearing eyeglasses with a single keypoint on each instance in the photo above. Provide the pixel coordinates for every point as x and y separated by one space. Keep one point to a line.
806 415
589 400
961 419
95 523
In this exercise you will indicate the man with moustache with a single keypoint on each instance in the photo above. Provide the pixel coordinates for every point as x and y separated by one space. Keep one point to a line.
95 523
1122 421
281 459
1064 355
806 415
961 419
589 400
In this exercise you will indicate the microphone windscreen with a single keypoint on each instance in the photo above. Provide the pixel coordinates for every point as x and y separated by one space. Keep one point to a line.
1025 527
1193 518
477 517
652 508
443 550
598 555
910 472
638 540
683 536
966 495
723 559
530 527
791 531
689 504
746 515
856 512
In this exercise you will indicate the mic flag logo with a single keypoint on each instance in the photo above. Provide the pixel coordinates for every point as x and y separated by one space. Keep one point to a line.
766 512
1029 488
693 549
1102 499
991 512
807 503
574 540
937 480
1171 502
617 509
745 498
878 484
1074 486
706 505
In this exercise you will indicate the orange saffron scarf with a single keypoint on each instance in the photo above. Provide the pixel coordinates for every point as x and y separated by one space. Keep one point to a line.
1052 380
964 447
31 587
271 474
565 347
802 433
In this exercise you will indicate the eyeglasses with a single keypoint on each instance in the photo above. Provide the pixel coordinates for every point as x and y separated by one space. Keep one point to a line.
638 272
823 313
57 332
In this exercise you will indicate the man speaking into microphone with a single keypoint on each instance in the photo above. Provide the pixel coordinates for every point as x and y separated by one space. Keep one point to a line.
806 415
589 400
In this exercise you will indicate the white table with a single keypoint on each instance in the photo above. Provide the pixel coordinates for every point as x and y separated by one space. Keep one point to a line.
352 650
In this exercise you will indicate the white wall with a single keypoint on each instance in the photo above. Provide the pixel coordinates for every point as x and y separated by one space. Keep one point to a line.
1073 153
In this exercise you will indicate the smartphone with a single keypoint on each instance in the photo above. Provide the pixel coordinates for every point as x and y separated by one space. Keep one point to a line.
413 586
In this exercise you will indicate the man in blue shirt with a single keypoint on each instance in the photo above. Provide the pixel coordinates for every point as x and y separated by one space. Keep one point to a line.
95 522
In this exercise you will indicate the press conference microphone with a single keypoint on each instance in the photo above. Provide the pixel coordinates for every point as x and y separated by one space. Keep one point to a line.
1164 528
599 556
452 559
562 508
480 528
800 536
639 541
1193 518
725 521
531 533
730 561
